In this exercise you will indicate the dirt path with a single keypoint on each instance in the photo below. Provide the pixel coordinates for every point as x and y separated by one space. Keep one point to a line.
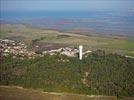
19 93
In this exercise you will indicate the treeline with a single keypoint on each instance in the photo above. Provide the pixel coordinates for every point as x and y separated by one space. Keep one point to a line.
98 73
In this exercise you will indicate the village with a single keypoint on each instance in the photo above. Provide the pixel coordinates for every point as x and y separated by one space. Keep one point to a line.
11 47
14 48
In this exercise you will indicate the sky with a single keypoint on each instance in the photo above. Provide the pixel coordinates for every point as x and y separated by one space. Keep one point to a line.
66 5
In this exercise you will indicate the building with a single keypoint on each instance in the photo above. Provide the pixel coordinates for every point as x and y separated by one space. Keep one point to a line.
80 52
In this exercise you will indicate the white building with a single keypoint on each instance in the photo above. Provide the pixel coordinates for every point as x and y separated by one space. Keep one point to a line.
80 52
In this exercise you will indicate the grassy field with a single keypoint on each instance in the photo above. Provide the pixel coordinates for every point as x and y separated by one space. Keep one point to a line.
115 44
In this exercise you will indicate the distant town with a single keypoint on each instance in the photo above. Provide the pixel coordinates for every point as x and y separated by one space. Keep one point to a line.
16 48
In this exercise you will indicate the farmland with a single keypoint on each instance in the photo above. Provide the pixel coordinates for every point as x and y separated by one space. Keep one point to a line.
111 44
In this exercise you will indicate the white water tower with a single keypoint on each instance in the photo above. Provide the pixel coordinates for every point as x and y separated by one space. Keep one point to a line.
80 52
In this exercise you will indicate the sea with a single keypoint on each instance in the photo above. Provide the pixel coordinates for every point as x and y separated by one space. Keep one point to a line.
107 22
